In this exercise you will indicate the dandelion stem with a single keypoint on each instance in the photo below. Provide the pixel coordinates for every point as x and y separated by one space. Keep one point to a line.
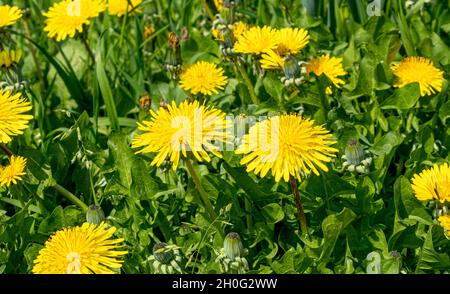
68 195
204 196
6 150
88 48
39 73
247 82
323 96
208 11
298 203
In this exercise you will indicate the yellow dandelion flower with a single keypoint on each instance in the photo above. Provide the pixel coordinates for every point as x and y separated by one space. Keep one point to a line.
12 173
10 57
444 222
288 145
257 40
271 60
433 183
66 18
121 7
177 129
218 4
419 70
9 15
292 40
12 118
203 77
330 66
239 28
86 249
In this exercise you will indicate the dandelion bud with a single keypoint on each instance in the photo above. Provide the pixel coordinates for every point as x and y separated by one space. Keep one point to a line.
291 68
231 258
149 30
145 102
233 245
162 255
356 158
354 152
166 259
95 214
227 37
173 58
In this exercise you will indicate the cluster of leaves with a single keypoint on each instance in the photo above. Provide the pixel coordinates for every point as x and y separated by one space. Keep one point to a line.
86 113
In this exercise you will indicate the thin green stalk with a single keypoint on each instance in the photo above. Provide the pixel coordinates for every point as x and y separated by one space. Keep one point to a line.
94 196
298 203
323 95
248 217
72 198
204 196
247 82
208 11
88 48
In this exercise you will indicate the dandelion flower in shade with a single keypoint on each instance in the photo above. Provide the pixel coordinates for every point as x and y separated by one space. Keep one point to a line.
9 15
287 145
419 70
12 173
433 183
330 66
121 7
13 119
257 40
292 40
86 249
175 130
66 18
271 60
10 57
203 77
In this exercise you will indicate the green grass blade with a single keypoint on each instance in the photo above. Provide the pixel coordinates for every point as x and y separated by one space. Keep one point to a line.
105 88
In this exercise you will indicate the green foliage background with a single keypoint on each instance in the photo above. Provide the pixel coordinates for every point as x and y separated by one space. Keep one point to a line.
86 114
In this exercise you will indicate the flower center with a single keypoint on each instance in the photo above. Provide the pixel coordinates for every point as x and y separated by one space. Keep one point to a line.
74 266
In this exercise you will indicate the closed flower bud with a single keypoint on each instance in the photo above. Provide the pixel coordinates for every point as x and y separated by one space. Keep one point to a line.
291 68
95 214
231 258
356 158
149 30
166 259
173 60
233 246
354 152
162 254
